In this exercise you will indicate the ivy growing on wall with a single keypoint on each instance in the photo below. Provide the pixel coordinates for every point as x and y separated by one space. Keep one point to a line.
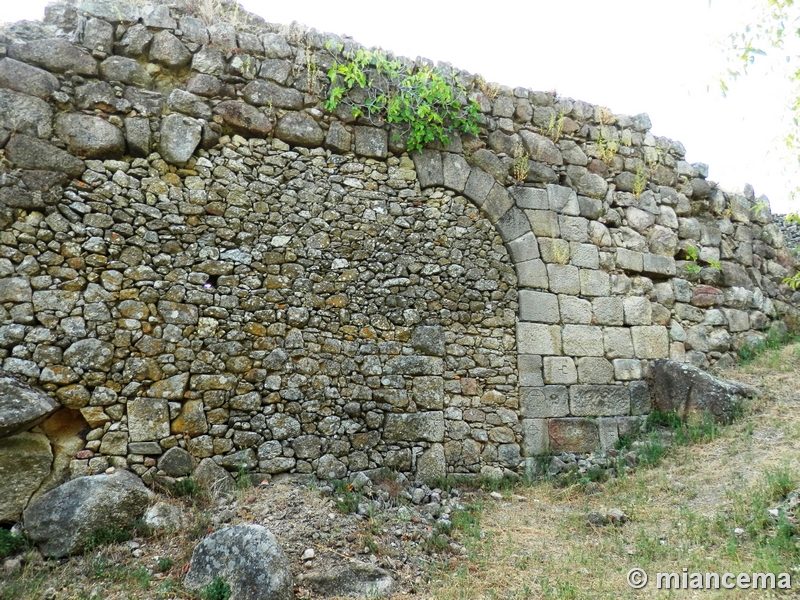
426 104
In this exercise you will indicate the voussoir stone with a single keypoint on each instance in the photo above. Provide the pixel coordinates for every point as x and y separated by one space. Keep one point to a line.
243 118
55 54
180 136
21 406
299 129
62 521
89 136
248 558
21 77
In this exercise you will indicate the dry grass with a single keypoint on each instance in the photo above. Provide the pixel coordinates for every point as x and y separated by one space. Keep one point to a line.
682 513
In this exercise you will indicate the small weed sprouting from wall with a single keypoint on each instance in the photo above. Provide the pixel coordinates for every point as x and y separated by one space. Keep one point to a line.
421 100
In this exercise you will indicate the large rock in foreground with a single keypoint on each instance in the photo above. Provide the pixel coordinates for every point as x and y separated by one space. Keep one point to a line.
62 521
25 462
248 558
21 406
691 392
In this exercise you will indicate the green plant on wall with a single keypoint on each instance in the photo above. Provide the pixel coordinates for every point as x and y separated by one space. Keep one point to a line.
421 100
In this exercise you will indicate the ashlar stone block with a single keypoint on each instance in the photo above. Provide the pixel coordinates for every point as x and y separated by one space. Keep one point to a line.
148 419
599 400
535 338
564 279
532 273
617 342
535 438
573 435
637 311
582 340
544 402
594 282
530 370
627 369
539 307
575 310
595 369
608 310
559 370
650 341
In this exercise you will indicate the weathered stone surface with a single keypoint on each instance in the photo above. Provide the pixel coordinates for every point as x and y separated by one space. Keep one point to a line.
90 355
691 393
188 104
354 579
21 406
30 153
62 521
428 165
214 479
266 93
650 341
599 400
136 41
164 517
55 54
191 420
429 339
168 50
180 137
90 137
171 388
573 435
455 171
125 70
25 114
431 464
253 563
15 289
148 419
427 426
243 118
25 460
26 79
338 138
176 462
299 129
99 36
371 142
582 340
540 148
534 338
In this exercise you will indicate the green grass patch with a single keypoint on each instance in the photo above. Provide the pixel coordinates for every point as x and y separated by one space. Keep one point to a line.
111 534
216 590
10 543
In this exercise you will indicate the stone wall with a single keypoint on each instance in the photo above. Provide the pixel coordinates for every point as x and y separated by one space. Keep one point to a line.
195 253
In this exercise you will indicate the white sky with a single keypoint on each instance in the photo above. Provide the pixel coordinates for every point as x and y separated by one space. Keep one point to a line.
653 56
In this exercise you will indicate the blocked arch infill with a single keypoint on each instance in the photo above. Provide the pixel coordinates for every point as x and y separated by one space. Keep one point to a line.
451 171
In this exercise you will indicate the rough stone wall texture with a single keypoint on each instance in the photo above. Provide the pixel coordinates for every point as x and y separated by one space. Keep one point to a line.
195 253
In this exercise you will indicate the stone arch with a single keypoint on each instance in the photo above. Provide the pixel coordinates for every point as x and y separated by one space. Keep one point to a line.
504 209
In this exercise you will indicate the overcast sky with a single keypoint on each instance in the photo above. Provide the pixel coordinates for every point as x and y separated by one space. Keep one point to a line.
658 57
